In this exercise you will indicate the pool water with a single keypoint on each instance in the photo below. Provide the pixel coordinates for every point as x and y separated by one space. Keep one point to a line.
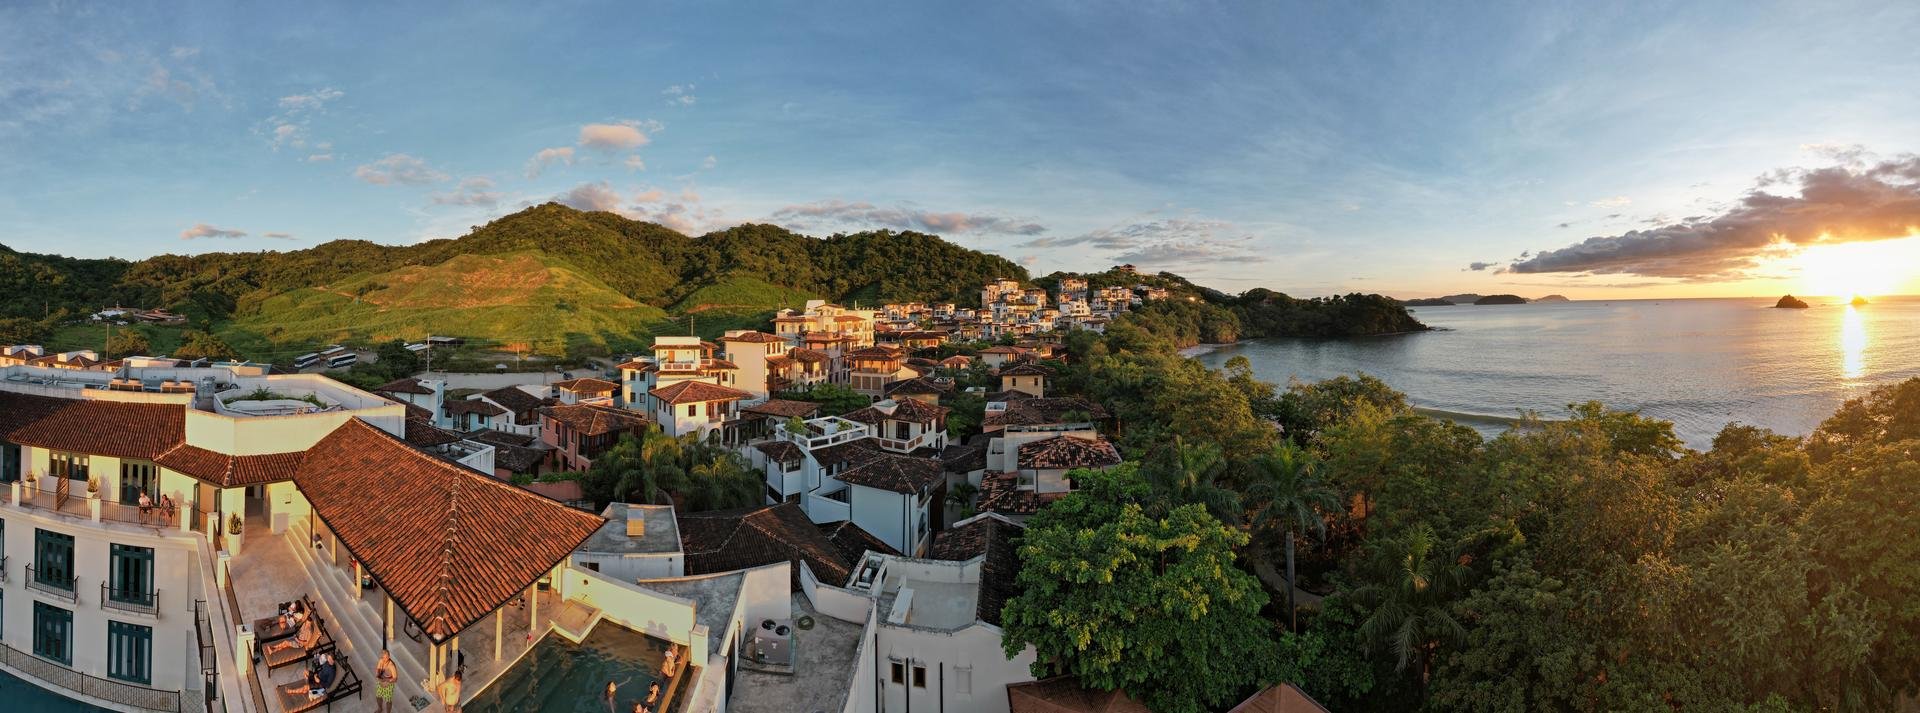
559 676
23 697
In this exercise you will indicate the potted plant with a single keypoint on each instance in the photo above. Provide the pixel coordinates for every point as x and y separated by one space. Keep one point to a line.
93 486
233 524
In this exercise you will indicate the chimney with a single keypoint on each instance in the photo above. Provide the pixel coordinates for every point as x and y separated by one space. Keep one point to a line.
636 521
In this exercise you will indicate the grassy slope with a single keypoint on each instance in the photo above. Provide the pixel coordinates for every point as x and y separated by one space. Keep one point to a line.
735 302
524 297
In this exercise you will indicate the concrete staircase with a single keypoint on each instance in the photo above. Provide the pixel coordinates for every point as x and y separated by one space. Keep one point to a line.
357 623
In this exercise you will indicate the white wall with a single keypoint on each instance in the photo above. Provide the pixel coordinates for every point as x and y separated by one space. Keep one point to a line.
976 649
885 514
658 615
633 566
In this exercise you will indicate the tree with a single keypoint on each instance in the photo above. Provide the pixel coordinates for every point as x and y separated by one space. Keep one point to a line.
197 344
960 496
834 399
1125 599
1186 474
127 342
1409 597
1288 497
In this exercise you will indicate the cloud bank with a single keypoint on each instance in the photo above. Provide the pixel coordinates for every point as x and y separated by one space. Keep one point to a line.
808 216
1853 202
398 168
1165 241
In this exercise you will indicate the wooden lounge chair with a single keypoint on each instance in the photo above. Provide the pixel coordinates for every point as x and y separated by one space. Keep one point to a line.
268 628
289 657
294 698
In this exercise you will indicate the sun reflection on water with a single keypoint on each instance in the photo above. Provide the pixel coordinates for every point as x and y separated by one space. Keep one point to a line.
1853 344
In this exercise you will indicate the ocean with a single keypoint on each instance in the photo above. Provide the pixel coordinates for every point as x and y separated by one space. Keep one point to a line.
1700 363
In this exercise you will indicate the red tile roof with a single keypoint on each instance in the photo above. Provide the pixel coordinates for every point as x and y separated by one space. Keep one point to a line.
687 392
909 475
727 540
1282 698
92 426
595 419
908 410
752 337
449 544
996 538
404 386
808 355
1026 369
588 385
1064 694
459 406
854 541
222 470
1003 494
783 408
1068 452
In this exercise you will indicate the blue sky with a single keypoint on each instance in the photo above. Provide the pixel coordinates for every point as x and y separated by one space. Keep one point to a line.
1307 147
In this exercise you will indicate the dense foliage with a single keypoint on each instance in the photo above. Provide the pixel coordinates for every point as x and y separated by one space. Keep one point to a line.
1583 564
688 472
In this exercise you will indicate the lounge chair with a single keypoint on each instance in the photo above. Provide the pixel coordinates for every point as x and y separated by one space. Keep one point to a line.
267 629
294 698
289 657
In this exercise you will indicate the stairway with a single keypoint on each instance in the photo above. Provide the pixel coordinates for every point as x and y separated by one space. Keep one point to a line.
357 622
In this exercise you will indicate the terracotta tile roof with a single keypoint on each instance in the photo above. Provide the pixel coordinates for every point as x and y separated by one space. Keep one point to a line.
460 406
512 452
1003 350
957 360
878 351
92 426
783 408
853 542
849 318
1026 369
565 491
1068 452
909 475
727 540
227 471
718 365
447 543
919 386
778 360
903 410
1002 494
421 432
811 356
1064 694
996 538
781 451
752 338
587 385
854 452
963 458
635 364
1281 698
1033 411
596 419
496 437
687 392
515 399
404 386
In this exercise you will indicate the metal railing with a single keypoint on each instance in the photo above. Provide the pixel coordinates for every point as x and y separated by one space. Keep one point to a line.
3 568
59 676
130 599
203 635
66 589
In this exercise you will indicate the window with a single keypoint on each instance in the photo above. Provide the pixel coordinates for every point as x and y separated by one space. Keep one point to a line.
693 409
9 462
53 559
131 575
52 633
963 680
593 566
919 677
899 673
68 465
130 652
138 477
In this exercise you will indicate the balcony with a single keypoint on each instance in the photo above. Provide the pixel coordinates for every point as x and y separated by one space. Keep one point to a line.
823 432
53 584
908 445
130 599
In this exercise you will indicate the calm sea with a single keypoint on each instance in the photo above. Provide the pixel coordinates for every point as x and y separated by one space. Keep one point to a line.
1699 363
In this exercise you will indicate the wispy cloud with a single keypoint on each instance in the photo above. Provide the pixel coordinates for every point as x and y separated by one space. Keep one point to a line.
1479 266
1848 203
622 136
1165 241
709 163
679 95
831 213
475 191
289 127
562 155
277 235
398 168
203 230
682 212
1614 202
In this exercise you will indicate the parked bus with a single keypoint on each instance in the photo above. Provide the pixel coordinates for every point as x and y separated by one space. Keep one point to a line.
305 360
332 351
339 361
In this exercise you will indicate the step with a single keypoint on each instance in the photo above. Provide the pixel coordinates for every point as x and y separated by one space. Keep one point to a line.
357 621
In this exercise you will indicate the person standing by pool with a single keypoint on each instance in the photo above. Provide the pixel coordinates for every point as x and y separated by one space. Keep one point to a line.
450 693
385 676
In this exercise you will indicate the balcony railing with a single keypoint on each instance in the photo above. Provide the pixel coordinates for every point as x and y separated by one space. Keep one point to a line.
905 445
130 599
52 583
3 568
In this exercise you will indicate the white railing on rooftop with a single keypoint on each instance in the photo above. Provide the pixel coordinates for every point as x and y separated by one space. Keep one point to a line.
831 430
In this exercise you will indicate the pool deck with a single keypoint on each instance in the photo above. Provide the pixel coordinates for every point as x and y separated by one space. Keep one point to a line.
823 669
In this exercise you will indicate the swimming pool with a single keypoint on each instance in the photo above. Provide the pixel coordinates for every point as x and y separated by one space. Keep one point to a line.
25 697
559 676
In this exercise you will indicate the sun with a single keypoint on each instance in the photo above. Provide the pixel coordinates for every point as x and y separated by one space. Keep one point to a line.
1861 269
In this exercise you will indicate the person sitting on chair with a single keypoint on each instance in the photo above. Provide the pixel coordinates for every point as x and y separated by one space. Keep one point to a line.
309 636
146 506
167 509
322 676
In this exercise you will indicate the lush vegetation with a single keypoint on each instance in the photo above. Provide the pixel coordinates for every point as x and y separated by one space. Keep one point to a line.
1191 314
1583 564
548 279
690 473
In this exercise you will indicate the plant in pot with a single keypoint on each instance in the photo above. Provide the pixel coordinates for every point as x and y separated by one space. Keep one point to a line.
233 524
93 487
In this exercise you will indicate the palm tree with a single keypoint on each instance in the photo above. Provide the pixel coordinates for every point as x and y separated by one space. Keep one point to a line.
1412 583
1190 474
1288 495
960 496
724 482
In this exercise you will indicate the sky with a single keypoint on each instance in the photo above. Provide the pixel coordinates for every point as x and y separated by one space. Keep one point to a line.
1613 150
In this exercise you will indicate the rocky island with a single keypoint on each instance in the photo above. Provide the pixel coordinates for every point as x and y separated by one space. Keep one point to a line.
1858 301
1501 300
1552 298
1790 302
